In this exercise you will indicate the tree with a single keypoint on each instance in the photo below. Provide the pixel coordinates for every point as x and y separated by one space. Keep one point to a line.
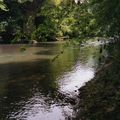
18 20
107 15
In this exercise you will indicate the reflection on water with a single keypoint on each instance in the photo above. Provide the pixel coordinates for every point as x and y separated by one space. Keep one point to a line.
32 87
76 78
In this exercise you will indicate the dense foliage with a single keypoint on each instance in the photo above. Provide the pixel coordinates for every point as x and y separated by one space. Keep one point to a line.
25 20
16 22
107 15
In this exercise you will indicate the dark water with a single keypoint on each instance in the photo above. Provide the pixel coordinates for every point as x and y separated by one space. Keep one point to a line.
33 87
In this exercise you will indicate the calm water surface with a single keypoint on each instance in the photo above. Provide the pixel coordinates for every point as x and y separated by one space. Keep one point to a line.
34 87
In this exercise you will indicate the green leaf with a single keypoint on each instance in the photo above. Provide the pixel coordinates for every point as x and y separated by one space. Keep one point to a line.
2 6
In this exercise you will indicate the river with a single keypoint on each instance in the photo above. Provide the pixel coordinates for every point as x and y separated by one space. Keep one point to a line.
33 86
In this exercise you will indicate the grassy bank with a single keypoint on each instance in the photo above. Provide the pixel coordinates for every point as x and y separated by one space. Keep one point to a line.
99 99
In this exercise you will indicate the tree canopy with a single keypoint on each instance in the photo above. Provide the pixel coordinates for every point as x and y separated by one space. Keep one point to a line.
51 19
107 15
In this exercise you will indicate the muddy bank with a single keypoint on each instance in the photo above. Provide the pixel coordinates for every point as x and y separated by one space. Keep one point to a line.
99 99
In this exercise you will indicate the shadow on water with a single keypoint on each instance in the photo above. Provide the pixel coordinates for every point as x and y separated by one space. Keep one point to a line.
34 88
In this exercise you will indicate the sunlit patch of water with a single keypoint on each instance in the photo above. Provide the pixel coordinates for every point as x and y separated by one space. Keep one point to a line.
71 81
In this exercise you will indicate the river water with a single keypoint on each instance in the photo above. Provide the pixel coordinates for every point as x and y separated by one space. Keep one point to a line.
36 86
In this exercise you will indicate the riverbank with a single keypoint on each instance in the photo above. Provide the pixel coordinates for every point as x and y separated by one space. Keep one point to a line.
99 99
